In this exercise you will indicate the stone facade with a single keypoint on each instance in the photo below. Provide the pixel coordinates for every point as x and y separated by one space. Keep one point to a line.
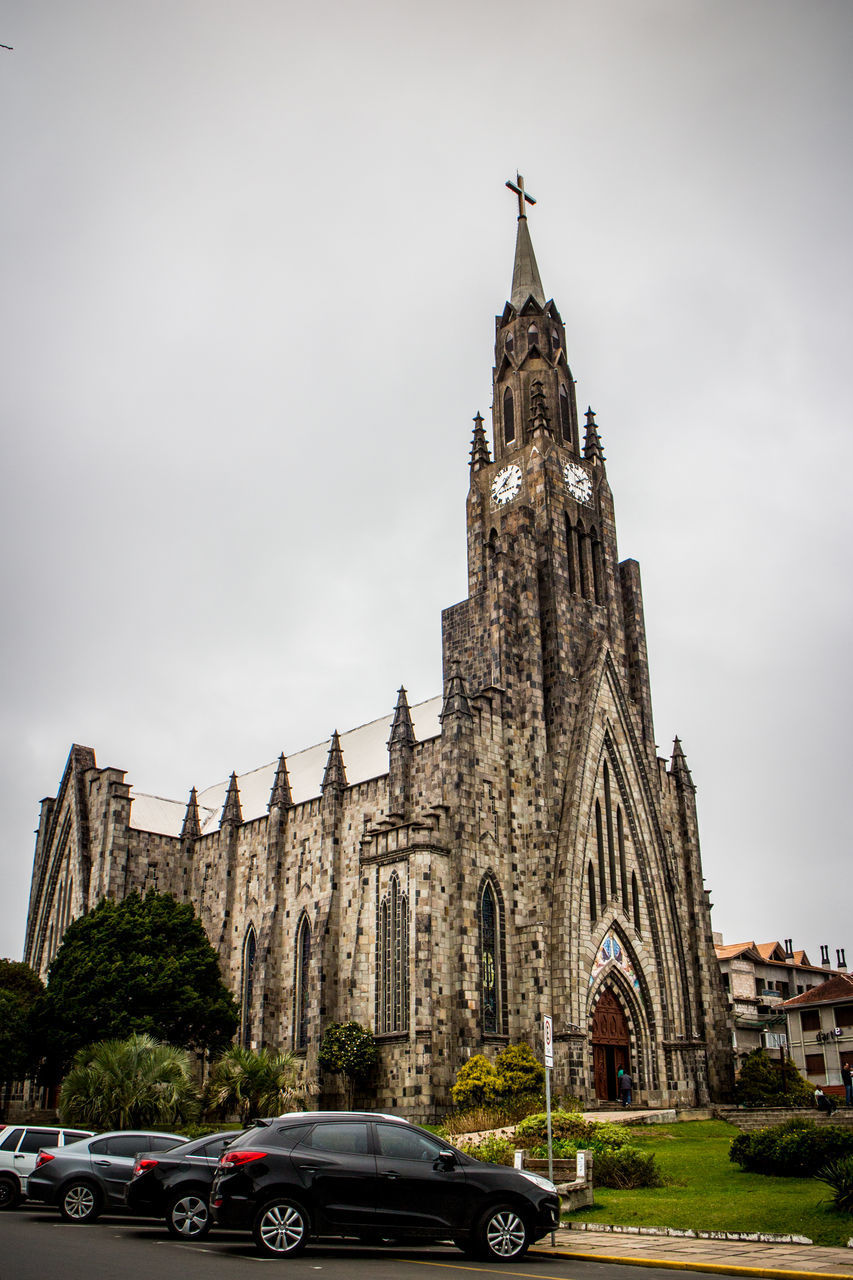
452 872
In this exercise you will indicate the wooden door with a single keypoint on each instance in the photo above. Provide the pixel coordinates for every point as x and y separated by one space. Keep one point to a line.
610 1045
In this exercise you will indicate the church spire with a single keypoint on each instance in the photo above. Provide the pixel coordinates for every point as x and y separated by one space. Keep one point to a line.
479 448
526 282
402 730
335 775
280 794
592 443
191 829
231 811
455 697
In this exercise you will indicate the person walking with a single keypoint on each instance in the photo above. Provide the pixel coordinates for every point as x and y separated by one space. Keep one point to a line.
847 1080
625 1086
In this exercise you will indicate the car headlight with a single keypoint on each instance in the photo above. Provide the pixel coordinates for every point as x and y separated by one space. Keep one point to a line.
542 1183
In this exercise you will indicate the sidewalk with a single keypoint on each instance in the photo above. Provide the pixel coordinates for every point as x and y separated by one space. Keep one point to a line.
737 1257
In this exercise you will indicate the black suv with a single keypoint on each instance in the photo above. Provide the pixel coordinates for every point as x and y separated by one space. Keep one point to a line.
175 1184
374 1177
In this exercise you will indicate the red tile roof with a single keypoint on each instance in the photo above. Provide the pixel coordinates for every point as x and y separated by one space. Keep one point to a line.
836 990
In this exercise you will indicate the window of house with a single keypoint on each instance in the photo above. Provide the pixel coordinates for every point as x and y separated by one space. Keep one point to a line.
815 1065
810 1020
844 1016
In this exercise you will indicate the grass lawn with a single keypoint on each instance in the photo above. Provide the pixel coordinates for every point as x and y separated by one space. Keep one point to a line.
706 1192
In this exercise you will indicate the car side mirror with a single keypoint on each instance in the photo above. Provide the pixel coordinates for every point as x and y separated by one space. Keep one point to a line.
445 1160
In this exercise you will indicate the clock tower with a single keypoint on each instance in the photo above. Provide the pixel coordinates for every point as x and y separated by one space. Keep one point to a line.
601 845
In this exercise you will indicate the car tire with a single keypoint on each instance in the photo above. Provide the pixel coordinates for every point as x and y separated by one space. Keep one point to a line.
10 1193
80 1202
188 1216
502 1235
281 1229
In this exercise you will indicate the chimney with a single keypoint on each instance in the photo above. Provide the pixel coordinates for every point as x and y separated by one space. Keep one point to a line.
842 963
789 948
824 957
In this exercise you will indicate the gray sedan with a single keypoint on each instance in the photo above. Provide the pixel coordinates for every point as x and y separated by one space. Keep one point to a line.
85 1178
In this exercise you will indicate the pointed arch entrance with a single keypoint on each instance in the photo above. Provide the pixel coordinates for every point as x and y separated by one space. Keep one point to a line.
611 1045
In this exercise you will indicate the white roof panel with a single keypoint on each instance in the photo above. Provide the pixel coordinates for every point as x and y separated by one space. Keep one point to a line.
365 752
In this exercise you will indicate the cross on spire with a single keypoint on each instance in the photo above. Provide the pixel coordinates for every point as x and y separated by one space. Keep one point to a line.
521 193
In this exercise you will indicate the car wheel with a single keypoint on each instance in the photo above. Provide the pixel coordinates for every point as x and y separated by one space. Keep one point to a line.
80 1202
188 1216
502 1234
10 1193
280 1229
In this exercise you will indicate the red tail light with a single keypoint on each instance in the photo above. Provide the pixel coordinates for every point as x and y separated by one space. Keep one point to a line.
233 1159
142 1166
43 1157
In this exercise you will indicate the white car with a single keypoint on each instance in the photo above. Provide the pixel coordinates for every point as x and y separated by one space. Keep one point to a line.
19 1147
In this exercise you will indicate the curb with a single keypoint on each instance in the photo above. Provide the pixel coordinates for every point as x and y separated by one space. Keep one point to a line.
717 1268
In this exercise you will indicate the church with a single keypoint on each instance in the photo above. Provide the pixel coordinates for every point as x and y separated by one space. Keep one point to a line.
455 870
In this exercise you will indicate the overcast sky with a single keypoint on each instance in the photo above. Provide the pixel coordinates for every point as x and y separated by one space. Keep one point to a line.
252 255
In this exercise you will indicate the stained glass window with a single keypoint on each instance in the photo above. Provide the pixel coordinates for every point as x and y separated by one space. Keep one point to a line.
250 947
489 939
303 970
393 960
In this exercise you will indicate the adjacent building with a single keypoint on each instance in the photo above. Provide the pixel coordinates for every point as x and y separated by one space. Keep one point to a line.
758 978
820 1031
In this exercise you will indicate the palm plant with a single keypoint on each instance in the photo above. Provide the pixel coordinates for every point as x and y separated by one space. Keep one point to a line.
254 1084
132 1083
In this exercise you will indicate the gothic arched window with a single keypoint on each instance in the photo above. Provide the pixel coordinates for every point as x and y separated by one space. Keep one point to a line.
532 336
590 878
491 960
565 416
620 839
509 417
635 895
597 571
250 947
509 344
393 967
611 852
301 986
555 340
599 840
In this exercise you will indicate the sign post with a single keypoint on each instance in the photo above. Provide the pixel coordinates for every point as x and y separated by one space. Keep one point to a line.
548 1036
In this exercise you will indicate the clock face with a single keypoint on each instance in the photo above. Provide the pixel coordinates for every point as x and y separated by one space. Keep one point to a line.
577 481
506 484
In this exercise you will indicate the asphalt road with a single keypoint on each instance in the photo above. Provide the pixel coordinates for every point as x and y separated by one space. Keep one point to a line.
35 1244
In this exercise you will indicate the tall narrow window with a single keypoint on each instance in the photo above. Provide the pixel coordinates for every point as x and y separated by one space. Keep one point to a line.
597 573
509 344
393 960
490 960
565 418
532 336
583 566
590 879
250 947
635 896
570 558
611 852
620 838
555 340
509 417
599 839
303 970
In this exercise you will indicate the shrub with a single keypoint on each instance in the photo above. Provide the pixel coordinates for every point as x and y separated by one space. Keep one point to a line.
492 1149
476 1083
126 1084
568 1125
626 1168
516 1075
350 1050
838 1175
795 1149
761 1083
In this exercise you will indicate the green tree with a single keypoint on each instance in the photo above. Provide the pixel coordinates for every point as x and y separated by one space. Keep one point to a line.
20 991
763 1083
256 1084
350 1050
519 1070
142 964
126 1084
477 1083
